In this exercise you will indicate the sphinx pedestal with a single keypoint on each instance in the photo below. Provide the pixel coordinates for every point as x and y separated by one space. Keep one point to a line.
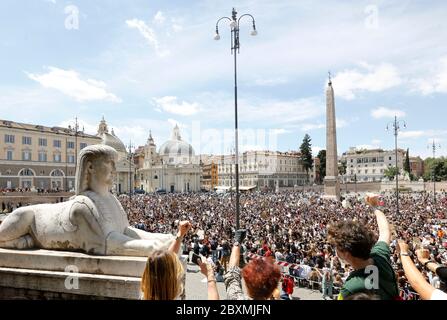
45 274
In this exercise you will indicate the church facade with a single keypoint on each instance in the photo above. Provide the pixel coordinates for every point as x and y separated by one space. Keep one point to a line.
174 168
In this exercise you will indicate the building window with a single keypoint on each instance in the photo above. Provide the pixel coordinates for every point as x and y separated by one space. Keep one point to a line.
83 145
57 143
42 142
389 158
9 155
71 158
9 138
57 157
26 155
70 145
42 156
26 140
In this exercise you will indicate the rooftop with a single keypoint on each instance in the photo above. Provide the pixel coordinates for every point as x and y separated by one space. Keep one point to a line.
43 129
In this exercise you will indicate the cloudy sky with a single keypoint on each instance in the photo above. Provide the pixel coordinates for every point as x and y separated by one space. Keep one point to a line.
148 64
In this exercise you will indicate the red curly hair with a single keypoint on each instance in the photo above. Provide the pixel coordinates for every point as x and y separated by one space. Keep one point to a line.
261 278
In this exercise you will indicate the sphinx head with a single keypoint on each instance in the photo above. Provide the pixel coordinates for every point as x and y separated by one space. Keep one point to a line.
96 168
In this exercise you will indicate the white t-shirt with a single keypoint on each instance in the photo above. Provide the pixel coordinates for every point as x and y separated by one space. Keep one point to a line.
438 295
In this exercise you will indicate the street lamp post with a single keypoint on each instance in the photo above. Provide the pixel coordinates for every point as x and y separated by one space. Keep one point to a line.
395 125
130 171
75 131
234 25
434 147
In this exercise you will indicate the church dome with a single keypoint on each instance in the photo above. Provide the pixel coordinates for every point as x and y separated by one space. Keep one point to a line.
113 141
108 139
175 146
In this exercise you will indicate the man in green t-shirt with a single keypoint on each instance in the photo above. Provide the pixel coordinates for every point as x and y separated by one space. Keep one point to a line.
355 246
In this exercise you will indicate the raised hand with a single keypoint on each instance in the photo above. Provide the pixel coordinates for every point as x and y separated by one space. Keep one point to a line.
183 228
372 200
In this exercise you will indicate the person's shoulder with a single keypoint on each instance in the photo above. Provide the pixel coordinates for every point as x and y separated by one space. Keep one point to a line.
353 284
381 248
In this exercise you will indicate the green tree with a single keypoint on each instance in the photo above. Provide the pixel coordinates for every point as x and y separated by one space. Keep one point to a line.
342 167
306 154
391 172
322 170
437 166
407 167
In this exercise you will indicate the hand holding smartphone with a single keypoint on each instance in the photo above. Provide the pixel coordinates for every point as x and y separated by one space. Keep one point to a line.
196 259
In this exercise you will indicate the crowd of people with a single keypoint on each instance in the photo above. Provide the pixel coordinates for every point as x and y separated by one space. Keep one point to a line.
301 228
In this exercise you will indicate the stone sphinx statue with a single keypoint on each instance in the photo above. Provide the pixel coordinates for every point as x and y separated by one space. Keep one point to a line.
93 221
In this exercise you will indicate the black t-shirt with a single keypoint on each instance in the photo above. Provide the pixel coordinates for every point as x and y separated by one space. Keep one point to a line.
442 274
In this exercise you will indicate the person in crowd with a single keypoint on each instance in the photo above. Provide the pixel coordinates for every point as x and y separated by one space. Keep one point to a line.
261 276
354 244
423 256
415 278
302 220
163 274
287 287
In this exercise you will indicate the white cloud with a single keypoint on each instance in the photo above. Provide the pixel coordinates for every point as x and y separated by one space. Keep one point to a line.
433 134
88 127
176 27
312 126
70 83
171 105
159 18
279 131
270 82
376 142
149 34
434 83
412 134
383 112
51 1
341 123
378 78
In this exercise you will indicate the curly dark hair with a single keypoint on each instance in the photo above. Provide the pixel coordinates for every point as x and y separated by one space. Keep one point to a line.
261 278
353 237
363 296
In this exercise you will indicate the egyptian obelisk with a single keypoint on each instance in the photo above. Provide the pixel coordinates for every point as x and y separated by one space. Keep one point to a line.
331 183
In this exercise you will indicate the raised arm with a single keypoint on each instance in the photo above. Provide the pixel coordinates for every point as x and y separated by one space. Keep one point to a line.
183 229
382 222
384 227
413 275
208 272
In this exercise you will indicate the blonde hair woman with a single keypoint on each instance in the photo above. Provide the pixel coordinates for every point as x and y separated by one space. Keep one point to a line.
162 277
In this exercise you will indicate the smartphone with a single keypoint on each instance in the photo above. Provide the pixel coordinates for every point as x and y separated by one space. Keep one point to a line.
196 259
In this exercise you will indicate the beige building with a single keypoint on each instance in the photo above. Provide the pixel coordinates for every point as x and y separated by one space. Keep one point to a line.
210 177
261 170
38 156
370 165
174 168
